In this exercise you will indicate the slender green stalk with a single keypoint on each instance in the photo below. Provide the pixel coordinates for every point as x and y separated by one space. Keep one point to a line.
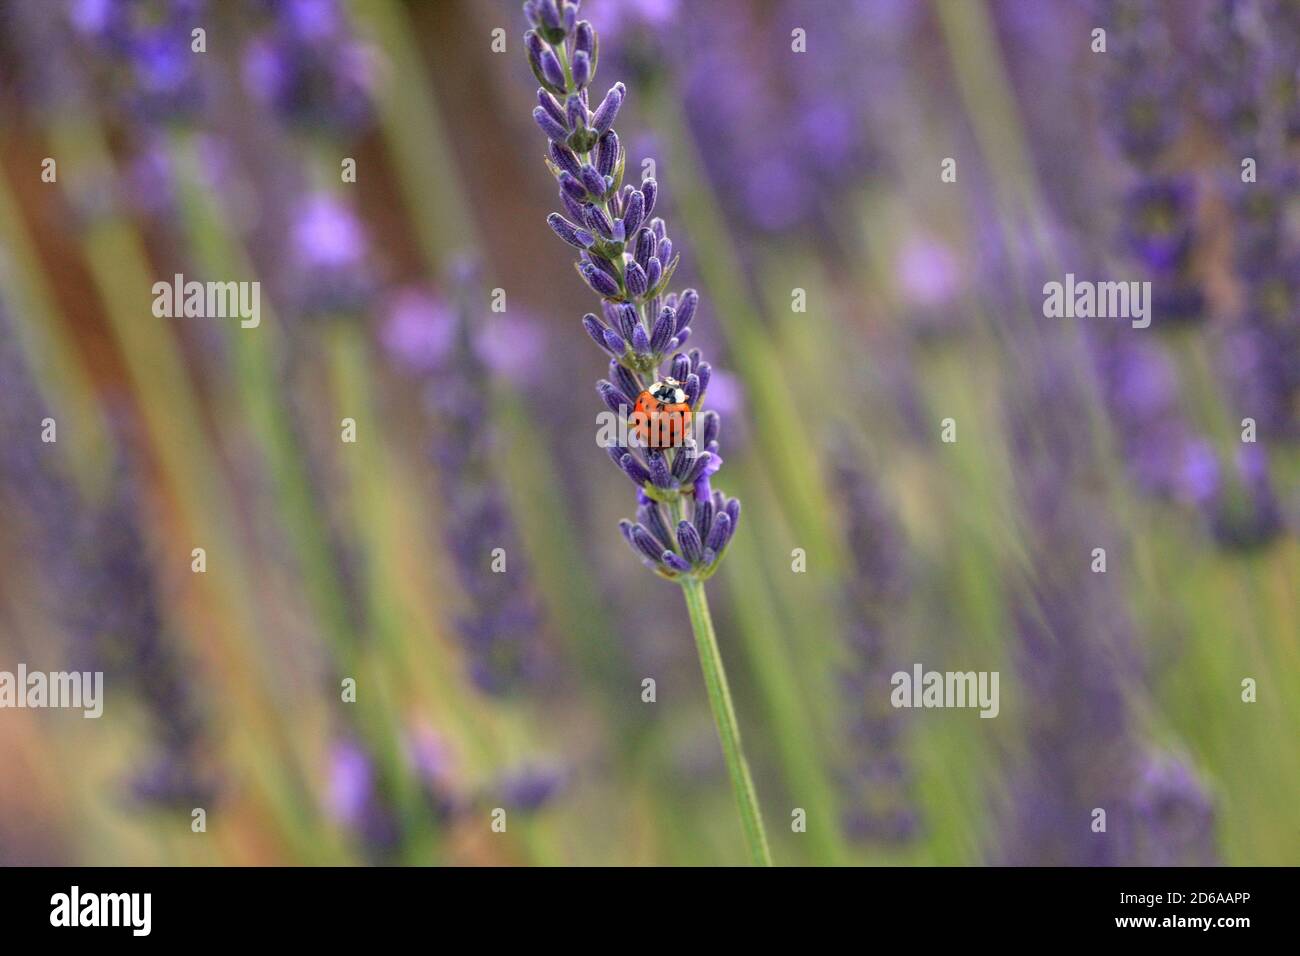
724 715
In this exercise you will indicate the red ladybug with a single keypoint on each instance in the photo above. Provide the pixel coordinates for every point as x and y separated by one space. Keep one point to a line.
662 416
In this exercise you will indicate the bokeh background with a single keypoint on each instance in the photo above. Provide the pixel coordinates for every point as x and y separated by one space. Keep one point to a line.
851 301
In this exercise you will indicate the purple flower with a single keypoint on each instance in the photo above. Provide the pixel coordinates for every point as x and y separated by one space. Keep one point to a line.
430 757
509 344
530 787
1262 354
330 256
310 69
928 273
120 630
1159 232
877 780
1244 512
1172 817
1077 659
1140 387
355 799
150 63
41 503
733 100
420 331
501 624
626 257
1145 80
96 552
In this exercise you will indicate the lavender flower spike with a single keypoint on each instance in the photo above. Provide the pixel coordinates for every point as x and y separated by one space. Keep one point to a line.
622 260
684 526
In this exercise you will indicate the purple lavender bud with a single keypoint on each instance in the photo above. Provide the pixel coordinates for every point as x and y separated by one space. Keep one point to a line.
613 341
607 112
686 305
602 284
733 512
594 328
597 221
681 365
710 427
625 318
575 113
640 340
633 468
536 48
702 463
548 14
692 388
646 544
552 106
644 247
703 518
720 533
674 561
607 154
658 228
573 188
652 516
663 333
584 38
554 131
665 252
689 541
704 371
654 272
565 230
581 70
601 263
616 401
659 472
634 212
624 379
635 278
684 463
680 339
649 189
574 208
565 158
593 181
552 70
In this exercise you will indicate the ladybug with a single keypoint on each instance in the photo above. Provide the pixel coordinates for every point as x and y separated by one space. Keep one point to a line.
662 415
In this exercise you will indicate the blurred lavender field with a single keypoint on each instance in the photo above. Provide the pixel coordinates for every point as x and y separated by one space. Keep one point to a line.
349 560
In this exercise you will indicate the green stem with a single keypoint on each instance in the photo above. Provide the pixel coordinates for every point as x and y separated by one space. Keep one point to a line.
724 715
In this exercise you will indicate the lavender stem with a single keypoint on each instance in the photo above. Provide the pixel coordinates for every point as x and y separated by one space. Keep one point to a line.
724 715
